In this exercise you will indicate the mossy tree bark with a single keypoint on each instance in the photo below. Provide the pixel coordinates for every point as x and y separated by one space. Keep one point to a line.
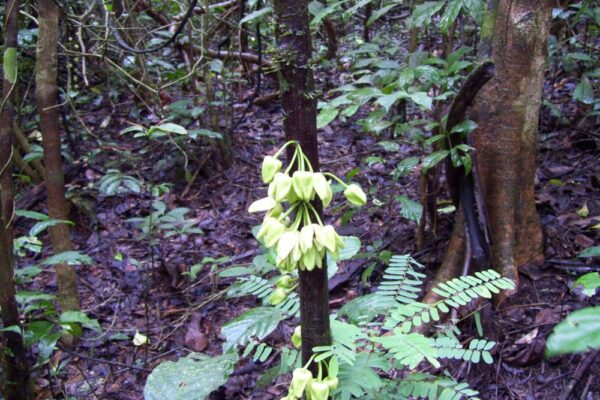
299 105
506 110
46 95
14 361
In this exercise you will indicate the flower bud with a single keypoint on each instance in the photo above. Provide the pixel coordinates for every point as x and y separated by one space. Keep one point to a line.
297 337
303 184
322 188
264 204
329 238
284 282
309 259
318 390
280 187
300 378
355 195
275 231
286 244
279 296
332 383
270 167
306 237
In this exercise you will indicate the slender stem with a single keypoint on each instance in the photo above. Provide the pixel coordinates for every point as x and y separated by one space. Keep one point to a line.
315 213
288 212
289 168
282 148
341 182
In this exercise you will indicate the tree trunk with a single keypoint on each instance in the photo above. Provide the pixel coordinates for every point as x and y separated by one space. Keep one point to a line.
507 111
46 95
14 361
299 105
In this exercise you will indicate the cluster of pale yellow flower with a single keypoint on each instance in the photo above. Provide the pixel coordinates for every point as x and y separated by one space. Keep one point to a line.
303 242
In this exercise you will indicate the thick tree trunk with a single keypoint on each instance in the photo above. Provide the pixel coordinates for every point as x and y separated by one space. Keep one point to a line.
14 361
507 111
300 110
46 95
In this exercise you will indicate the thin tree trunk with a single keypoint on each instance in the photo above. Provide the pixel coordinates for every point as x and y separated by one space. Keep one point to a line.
14 361
46 95
299 107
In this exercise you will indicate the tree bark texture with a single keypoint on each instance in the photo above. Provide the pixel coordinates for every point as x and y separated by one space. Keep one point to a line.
507 112
299 105
46 95
14 361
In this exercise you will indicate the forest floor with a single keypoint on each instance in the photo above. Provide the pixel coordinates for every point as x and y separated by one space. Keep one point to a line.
133 286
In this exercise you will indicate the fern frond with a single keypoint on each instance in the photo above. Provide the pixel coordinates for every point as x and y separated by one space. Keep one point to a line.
261 351
410 349
449 347
401 283
344 342
256 323
455 293
460 291
263 289
424 386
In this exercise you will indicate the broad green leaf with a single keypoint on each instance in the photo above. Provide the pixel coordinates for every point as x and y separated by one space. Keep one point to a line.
68 257
255 15
589 282
432 159
579 57
31 214
411 210
382 11
79 317
452 10
190 378
590 252
10 65
579 332
173 128
405 166
423 13
352 246
388 145
194 133
41 226
421 99
583 91
388 100
325 116
256 323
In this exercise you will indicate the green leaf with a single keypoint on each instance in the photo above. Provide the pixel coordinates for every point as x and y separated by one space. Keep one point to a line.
432 159
579 57
32 214
411 210
41 226
255 15
194 133
466 126
78 317
452 10
381 12
325 117
405 166
388 145
589 282
257 323
173 128
423 13
590 252
190 378
352 246
389 99
68 257
10 65
578 333
583 91
421 99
